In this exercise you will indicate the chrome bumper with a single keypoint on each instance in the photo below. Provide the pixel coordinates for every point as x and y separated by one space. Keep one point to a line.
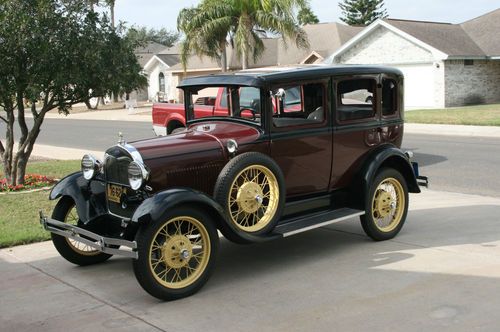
96 241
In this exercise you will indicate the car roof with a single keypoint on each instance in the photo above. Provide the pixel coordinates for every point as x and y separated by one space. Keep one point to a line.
261 77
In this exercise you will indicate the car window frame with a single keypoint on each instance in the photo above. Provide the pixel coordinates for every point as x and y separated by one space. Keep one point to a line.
325 82
398 101
335 98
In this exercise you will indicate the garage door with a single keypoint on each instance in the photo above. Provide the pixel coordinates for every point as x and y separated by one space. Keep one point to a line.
419 85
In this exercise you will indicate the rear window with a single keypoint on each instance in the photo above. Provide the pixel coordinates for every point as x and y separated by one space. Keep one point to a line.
356 99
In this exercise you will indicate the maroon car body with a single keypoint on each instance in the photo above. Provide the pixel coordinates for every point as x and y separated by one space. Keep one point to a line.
296 149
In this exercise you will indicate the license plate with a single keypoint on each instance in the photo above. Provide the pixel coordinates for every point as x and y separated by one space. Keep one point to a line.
115 192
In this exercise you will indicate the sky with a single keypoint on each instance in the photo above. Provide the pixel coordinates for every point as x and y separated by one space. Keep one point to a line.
163 13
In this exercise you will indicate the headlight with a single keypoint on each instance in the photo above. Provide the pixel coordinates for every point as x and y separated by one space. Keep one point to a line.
90 166
137 174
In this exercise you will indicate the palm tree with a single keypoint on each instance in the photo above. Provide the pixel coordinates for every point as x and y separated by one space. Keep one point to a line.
110 3
208 26
203 36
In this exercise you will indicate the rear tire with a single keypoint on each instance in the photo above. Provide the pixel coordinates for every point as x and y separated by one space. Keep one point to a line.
386 205
73 251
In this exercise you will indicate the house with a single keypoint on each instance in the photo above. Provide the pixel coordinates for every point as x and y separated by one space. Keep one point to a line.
324 39
155 60
444 64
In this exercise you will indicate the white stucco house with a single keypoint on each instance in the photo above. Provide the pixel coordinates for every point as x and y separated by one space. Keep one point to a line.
444 64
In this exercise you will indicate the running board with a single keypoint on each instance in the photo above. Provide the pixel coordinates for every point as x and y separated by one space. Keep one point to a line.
316 220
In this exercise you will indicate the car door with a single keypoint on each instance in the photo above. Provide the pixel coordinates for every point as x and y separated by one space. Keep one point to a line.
301 137
356 128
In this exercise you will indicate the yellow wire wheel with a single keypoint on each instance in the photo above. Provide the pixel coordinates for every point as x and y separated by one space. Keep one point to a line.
386 205
251 189
176 253
73 251
179 252
79 247
253 198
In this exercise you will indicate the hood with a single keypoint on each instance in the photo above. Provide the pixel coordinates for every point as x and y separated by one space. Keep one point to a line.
201 136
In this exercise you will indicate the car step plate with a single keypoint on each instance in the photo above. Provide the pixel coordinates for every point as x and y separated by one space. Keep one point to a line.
316 220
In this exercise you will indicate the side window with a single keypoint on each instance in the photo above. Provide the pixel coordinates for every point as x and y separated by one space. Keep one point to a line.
356 99
389 97
301 105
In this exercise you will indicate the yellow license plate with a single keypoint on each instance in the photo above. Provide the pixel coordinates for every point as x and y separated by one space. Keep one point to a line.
115 192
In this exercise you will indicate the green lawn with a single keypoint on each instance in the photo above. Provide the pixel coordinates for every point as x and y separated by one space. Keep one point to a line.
19 222
483 115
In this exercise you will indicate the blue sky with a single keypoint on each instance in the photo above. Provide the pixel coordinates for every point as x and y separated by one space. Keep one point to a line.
163 13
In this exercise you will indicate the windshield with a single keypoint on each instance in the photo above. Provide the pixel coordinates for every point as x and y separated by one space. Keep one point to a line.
239 102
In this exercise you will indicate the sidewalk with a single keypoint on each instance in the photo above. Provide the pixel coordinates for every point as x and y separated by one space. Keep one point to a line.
142 114
452 130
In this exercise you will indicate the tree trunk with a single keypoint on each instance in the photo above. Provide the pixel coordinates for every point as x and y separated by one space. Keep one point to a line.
112 11
7 150
22 162
89 105
223 57
244 59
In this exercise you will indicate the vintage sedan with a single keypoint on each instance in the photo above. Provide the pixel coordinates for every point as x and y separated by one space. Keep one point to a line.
306 151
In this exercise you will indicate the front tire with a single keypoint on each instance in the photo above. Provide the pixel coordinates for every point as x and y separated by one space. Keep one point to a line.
386 205
73 251
176 254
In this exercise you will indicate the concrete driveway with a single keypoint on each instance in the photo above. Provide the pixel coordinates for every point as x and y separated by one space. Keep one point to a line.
441 273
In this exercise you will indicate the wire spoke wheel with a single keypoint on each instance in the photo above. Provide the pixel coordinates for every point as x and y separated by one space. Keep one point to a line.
72 250
388 205
253 198
179 252
79 247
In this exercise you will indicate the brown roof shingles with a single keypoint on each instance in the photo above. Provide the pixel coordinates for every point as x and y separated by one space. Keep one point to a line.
485 31
478 37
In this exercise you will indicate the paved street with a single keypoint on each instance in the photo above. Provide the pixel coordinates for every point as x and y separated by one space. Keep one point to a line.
440 274
453 163
458 164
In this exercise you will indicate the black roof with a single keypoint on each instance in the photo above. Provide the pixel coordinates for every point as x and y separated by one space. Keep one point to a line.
265 76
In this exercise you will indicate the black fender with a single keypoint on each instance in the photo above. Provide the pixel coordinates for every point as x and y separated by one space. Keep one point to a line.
89 196
383 156
156 207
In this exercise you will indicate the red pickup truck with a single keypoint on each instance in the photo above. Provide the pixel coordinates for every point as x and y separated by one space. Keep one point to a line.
169 118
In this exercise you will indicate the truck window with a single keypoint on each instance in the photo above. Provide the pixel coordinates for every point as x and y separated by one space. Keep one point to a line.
223 101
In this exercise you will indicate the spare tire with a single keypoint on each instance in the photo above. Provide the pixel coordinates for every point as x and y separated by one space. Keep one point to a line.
251 189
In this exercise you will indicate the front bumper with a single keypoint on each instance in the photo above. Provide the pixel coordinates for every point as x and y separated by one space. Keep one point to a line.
103 244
